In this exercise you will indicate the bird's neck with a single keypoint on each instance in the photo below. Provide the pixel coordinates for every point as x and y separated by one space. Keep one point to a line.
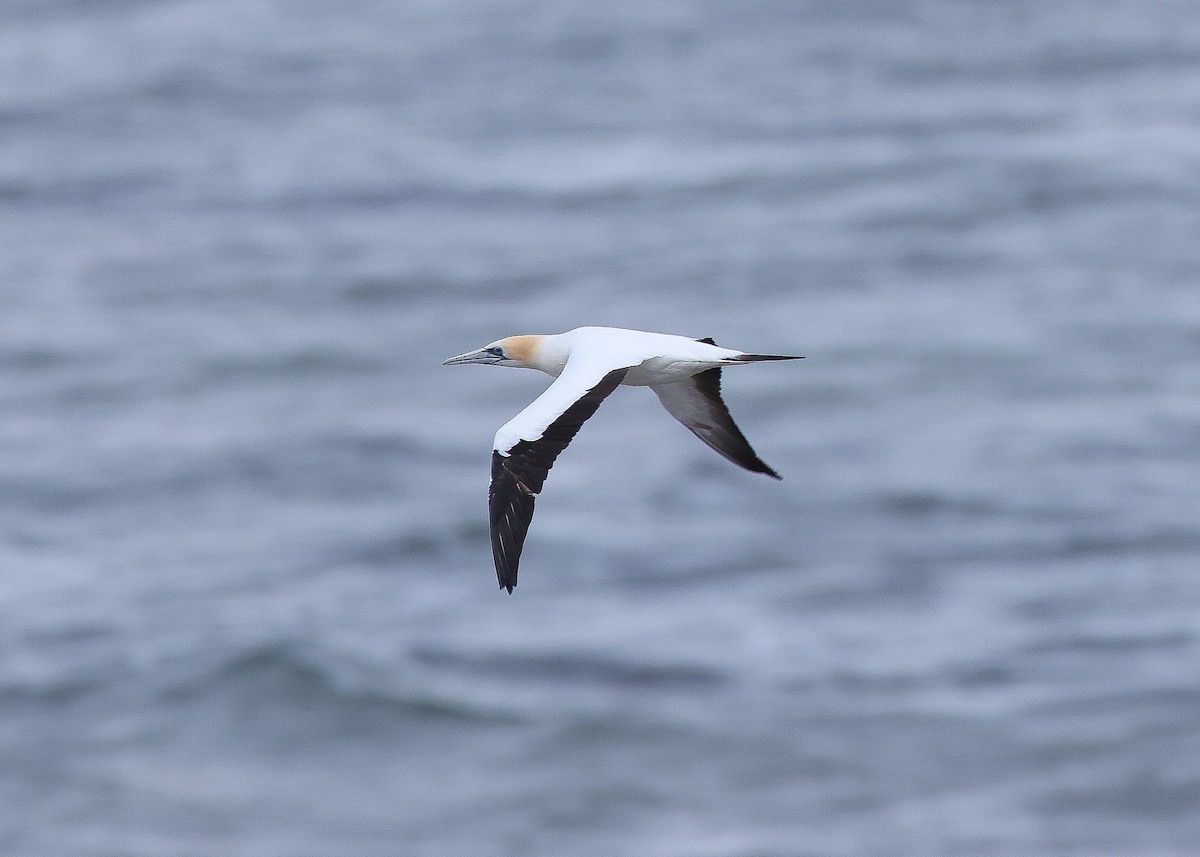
548 354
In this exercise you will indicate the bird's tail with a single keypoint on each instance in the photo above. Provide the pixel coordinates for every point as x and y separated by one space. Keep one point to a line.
754 358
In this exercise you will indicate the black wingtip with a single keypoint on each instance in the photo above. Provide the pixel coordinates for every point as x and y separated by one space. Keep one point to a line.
765 469
749 460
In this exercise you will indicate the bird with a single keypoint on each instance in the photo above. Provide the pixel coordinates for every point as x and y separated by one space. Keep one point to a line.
588 363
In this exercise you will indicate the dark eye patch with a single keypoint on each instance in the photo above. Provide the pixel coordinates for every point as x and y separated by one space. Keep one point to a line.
496 350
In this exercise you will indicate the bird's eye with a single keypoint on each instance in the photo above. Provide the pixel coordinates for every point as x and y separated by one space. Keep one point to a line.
496 351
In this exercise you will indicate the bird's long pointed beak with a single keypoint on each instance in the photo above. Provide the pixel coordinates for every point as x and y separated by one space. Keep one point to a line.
479 355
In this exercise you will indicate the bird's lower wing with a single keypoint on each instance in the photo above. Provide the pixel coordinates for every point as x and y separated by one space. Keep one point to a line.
697 403
525 450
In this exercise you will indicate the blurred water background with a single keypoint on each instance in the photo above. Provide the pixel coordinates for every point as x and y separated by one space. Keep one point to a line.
246 597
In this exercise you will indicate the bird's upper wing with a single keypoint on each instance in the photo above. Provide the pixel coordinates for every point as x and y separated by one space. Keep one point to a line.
526 447
696 402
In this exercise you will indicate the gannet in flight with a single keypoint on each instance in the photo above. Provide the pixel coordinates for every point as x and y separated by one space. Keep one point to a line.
589 363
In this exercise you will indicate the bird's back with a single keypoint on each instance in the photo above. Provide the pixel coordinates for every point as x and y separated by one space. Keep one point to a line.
656 358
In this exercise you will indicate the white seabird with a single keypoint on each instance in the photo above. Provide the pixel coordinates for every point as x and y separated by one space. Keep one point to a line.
589 363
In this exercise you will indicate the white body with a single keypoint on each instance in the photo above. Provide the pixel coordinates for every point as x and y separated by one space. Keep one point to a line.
656 358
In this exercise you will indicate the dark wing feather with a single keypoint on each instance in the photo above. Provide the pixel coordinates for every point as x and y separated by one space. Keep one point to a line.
697 403
518 477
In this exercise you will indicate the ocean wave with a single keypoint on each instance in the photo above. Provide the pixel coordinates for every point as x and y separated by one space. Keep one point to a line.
281 674
577 667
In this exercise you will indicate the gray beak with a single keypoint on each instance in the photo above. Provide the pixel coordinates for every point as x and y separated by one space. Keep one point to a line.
479 355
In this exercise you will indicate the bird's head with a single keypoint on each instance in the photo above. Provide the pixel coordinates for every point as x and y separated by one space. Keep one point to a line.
518 351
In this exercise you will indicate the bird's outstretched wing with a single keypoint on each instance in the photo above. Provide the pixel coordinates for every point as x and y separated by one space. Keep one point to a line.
697 403
525 449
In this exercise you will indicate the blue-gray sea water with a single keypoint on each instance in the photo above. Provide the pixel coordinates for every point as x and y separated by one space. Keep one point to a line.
247 604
